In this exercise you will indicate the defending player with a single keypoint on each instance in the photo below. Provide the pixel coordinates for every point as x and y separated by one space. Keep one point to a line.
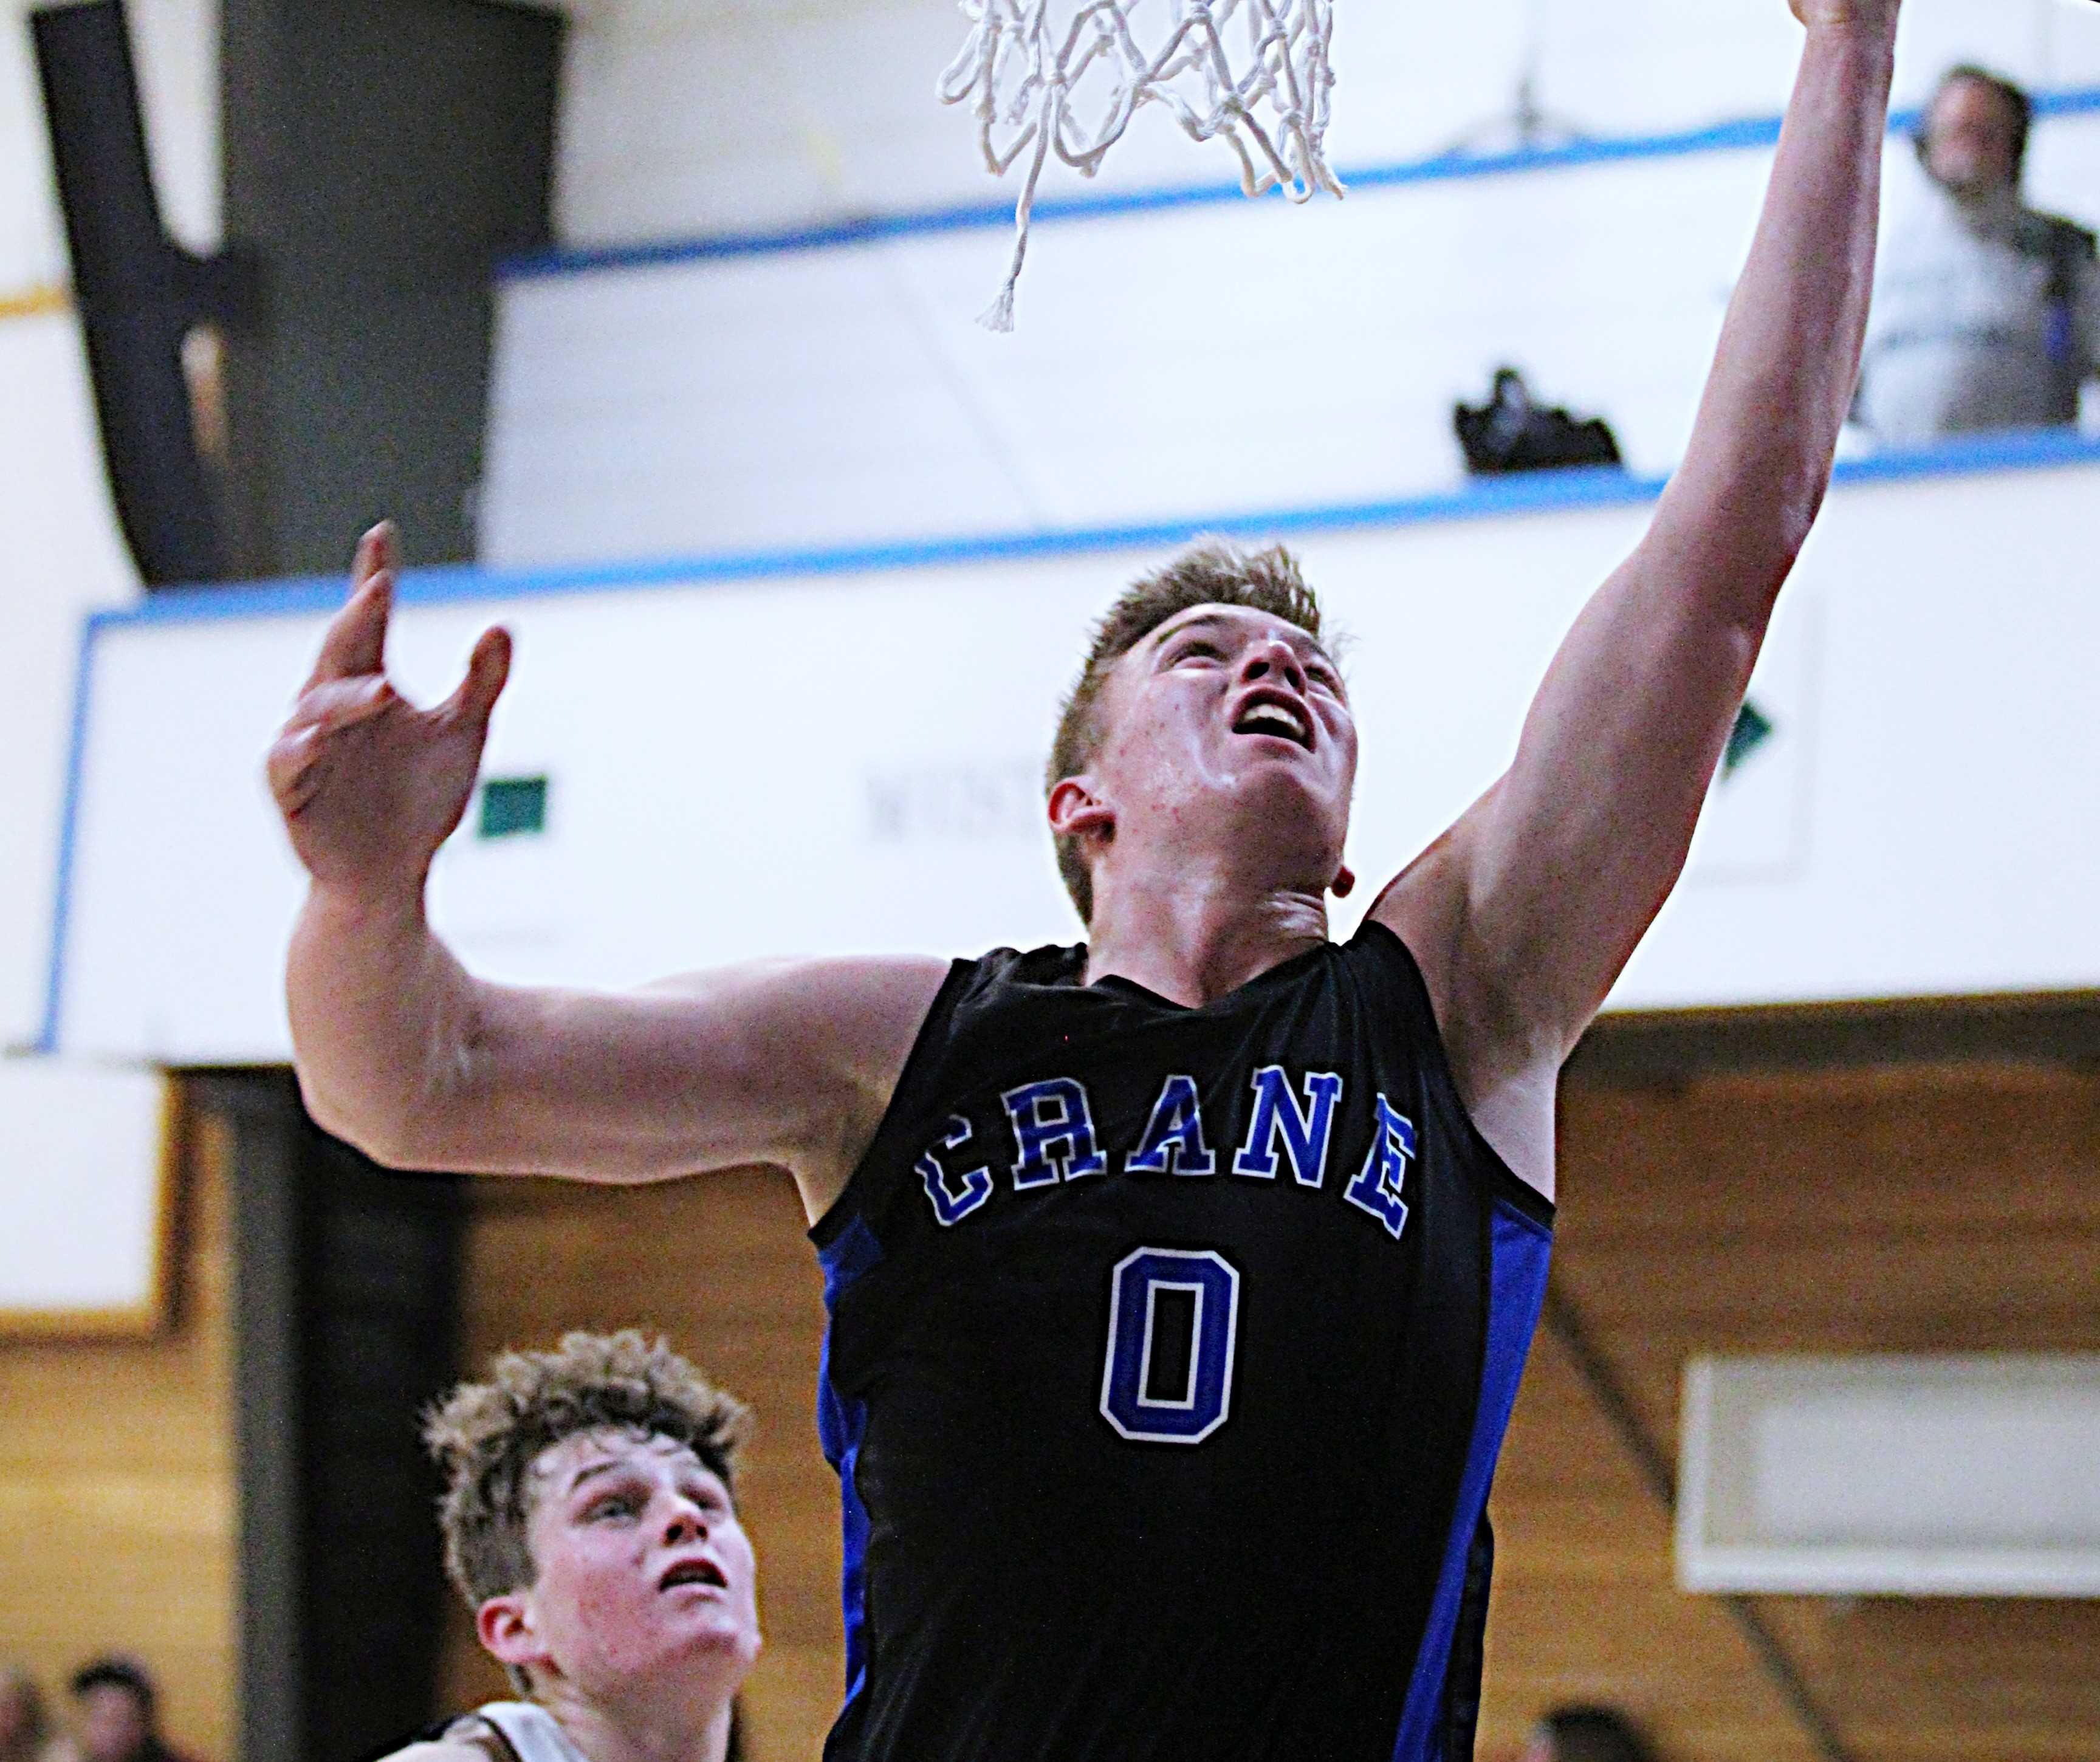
591 1526
1180 1282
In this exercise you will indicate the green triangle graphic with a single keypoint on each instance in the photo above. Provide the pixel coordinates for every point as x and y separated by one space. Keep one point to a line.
1753 728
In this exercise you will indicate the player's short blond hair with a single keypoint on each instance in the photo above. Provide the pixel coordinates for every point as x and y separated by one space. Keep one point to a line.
486 1436
1211 572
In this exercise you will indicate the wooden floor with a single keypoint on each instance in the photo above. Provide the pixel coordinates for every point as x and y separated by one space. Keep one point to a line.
1921 1209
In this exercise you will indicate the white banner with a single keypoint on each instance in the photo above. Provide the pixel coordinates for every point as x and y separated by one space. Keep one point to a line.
84 1200
849 762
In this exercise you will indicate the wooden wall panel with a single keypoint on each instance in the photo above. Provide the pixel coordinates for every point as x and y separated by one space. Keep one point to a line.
117 1496
1944 1209
1918 1210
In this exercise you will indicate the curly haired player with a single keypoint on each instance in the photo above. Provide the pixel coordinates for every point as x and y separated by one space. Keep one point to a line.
590 1524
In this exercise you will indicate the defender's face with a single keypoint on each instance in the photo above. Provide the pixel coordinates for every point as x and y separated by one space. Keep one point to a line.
1973 139
642 1567
1223 707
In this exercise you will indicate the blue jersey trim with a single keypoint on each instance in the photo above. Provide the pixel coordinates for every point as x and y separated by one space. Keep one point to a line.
852 1253
841 1425
1518 1251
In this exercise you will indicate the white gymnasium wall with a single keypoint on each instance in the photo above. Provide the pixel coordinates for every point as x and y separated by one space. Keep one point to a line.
83 1231
79 1205
742 767
176 45
1168 365
64 557
690 117
64 554
846 395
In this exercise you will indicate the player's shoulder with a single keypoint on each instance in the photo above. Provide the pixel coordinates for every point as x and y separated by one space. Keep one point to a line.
993 987
468 1737
884 996
450 1749
816 978
846 1015
1052 964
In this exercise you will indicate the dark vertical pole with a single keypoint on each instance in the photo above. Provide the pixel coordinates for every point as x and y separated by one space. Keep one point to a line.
346 1302
380 1264
262 1113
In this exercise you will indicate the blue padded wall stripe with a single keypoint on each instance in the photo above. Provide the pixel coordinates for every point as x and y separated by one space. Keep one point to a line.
1739 135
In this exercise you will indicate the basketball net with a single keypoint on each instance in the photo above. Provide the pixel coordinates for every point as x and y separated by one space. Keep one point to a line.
1029 67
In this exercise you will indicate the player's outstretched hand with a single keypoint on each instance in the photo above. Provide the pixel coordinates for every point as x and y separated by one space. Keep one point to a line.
370 786
1879 15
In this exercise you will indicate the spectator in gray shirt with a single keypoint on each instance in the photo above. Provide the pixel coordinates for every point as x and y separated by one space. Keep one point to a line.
1986 313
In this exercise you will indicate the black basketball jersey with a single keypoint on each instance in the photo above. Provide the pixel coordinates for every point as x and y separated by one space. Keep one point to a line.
1171 1351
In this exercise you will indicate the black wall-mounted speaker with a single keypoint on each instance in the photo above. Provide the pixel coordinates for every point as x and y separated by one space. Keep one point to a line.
137 292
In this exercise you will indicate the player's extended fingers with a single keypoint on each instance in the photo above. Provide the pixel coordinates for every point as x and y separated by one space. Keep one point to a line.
356 640
487 671
375 553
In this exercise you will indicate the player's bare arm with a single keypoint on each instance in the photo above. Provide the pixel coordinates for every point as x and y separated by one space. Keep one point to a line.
405 1053
1525 912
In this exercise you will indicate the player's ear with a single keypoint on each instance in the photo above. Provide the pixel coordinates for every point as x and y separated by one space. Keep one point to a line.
508 1632
1075 810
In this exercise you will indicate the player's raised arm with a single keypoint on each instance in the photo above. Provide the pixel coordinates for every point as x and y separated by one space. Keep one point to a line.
402 1052
1526 913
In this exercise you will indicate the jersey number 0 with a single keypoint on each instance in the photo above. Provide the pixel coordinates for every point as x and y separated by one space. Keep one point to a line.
1173 1331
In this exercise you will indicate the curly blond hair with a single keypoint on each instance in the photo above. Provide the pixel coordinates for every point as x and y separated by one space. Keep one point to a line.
486 1436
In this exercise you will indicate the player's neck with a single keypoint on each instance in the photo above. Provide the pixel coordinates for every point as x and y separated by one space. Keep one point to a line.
1192 934
643 1729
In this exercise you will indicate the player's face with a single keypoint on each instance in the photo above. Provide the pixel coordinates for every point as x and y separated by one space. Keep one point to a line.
1973 139
645 1579
1232 717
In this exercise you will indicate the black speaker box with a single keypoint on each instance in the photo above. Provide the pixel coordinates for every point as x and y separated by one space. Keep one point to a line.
138 293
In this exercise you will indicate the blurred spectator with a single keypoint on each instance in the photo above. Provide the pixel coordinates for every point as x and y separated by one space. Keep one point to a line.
117 1717
1986 313
1586 1734
25 1724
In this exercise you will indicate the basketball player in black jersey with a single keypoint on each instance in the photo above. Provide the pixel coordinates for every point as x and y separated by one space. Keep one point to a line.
1179 1282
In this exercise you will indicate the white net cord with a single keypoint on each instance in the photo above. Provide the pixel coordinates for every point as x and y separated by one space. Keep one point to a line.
1027 75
